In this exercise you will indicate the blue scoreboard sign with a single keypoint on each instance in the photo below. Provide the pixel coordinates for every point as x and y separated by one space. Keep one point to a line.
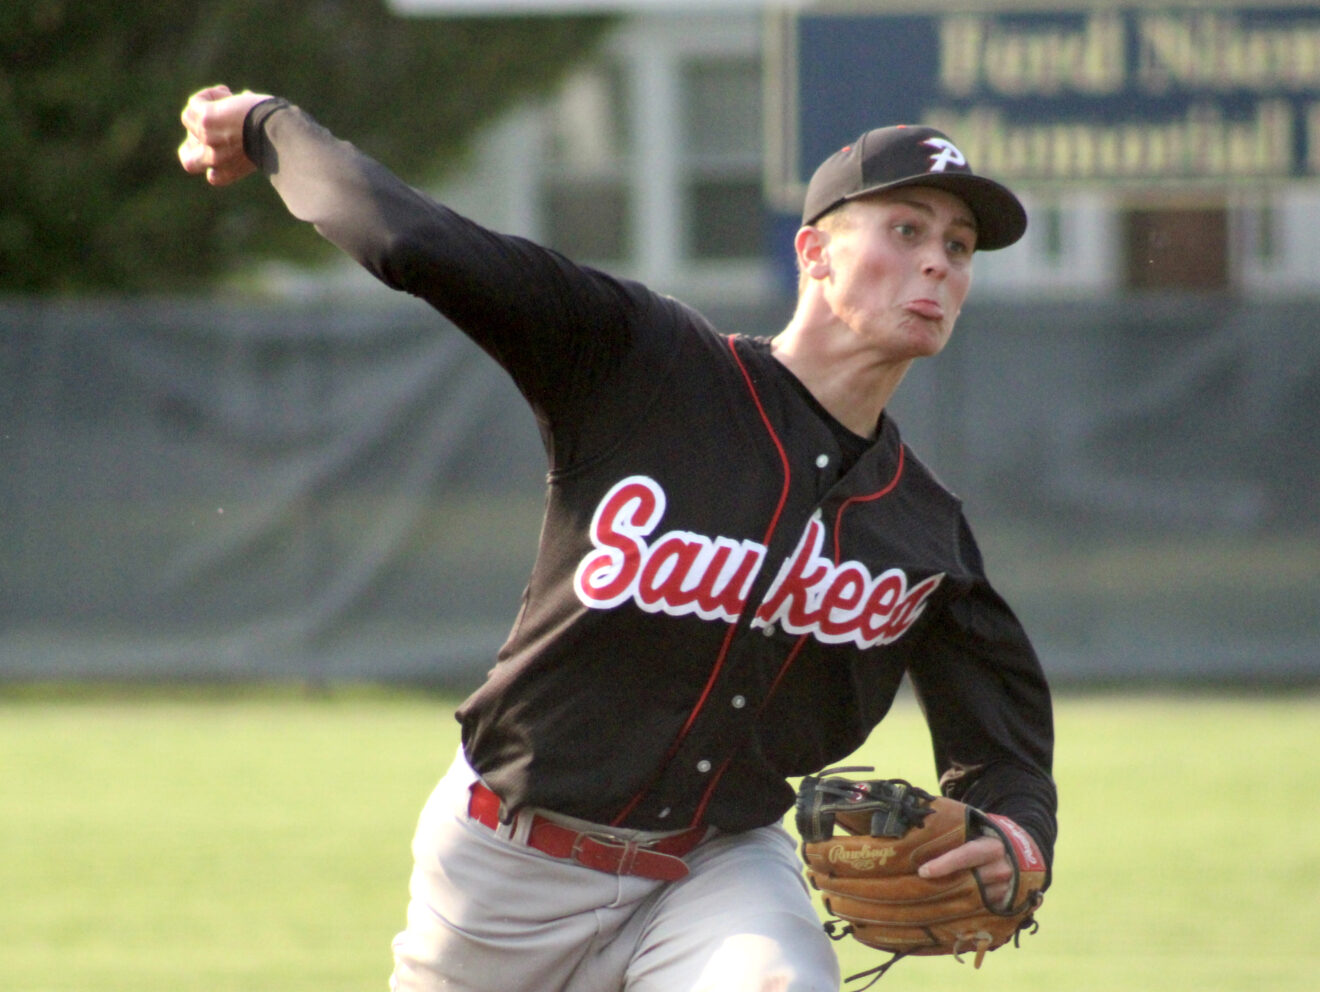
1112 93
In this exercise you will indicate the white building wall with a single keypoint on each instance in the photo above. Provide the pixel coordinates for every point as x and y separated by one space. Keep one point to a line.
1073 247
1276 241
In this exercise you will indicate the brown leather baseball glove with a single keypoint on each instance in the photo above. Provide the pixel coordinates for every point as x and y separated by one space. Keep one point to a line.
863 841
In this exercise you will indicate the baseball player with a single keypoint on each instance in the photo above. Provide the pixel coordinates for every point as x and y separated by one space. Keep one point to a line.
740 560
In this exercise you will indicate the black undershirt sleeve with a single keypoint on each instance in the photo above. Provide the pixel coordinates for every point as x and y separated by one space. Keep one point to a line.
988 706
557 327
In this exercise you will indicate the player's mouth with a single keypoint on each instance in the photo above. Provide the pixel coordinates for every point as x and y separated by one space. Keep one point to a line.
927 309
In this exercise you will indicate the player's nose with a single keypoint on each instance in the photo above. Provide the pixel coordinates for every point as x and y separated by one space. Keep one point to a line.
934 260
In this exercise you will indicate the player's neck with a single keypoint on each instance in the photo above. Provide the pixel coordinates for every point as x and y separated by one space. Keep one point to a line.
844 378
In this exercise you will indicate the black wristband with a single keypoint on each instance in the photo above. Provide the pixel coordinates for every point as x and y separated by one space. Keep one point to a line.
254 138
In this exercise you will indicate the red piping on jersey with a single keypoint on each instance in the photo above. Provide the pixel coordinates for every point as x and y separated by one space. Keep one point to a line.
797 648
710 791
779 677
838 517
733 628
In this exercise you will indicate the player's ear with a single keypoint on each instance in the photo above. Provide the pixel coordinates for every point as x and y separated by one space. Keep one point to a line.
812 247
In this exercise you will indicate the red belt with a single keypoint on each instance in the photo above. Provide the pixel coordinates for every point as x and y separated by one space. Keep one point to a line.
661 859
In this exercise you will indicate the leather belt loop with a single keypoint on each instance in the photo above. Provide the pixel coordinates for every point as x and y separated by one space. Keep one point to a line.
661 860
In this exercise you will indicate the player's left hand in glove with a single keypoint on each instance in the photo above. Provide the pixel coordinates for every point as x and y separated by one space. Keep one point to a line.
864 841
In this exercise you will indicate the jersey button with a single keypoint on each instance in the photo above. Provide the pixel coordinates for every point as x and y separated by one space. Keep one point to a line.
822 461
703 766
738 702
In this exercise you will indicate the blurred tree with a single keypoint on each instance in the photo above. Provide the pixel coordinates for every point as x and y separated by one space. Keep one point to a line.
92 198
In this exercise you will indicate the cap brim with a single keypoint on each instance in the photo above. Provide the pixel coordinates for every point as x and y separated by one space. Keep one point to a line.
1000 217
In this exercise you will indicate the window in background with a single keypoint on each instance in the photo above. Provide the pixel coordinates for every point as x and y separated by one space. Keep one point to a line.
721 157
586 201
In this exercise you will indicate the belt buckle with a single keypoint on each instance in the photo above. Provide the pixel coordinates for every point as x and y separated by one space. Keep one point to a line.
608 853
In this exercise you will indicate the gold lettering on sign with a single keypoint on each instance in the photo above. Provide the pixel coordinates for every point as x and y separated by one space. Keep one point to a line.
1199 145
1217 51
961 39
1015 61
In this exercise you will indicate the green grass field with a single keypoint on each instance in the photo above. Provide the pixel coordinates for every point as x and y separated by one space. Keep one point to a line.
257 840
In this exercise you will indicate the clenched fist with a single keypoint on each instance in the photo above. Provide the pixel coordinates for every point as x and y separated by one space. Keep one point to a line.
213 118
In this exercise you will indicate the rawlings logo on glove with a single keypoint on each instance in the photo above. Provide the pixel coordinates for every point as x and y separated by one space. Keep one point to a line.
865 858
867 873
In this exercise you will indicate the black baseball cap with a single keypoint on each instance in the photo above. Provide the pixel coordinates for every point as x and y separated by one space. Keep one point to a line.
913 155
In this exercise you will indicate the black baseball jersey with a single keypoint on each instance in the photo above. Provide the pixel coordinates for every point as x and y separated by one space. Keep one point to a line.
729 587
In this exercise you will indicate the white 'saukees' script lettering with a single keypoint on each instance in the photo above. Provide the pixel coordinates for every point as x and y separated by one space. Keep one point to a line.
841 603
681 573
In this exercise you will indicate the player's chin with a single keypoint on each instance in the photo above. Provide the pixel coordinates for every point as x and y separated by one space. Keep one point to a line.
927 337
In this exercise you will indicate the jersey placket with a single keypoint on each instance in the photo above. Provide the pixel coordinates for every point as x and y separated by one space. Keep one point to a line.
755 657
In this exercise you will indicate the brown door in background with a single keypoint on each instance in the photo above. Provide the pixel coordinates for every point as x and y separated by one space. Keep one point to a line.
1177 248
